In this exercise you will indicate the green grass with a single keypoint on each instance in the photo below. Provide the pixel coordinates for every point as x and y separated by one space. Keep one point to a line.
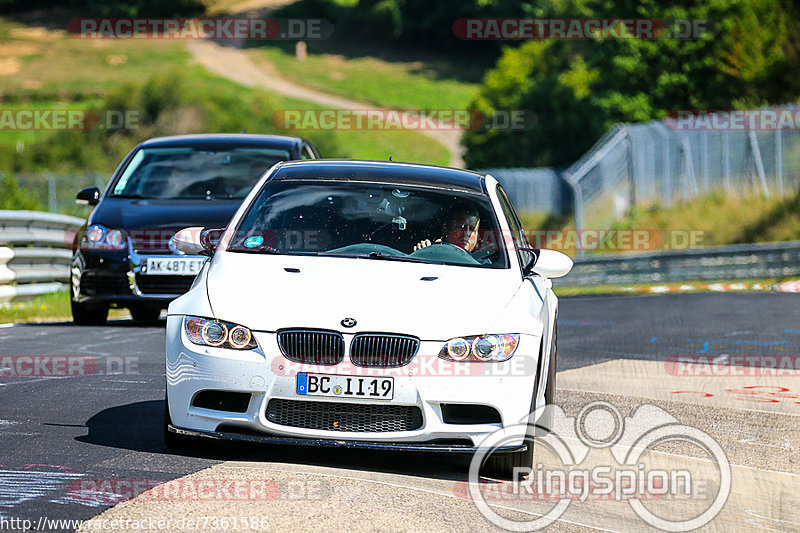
64 72
46 307
54 62
723 219
398 85
401 145
711 220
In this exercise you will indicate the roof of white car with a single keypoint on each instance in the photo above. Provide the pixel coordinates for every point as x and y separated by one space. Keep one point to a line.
382 172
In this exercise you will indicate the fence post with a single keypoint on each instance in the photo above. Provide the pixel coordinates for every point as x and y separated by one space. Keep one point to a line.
667 198
631 177
576 195
754 149
688 160
704 160
779 159
52 199
726 160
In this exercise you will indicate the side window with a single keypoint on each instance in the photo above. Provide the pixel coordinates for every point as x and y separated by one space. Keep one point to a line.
517 232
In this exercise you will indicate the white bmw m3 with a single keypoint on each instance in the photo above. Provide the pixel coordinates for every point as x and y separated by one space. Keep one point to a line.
366 304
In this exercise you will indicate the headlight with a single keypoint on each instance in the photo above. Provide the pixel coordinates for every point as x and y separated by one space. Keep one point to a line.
98 237
208 332
482 348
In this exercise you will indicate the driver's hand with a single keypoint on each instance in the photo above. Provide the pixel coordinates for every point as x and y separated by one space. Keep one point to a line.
422 244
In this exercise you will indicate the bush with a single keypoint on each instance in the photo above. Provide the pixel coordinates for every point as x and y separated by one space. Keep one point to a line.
12 196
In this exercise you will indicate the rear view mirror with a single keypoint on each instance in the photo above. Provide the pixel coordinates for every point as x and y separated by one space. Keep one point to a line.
187 241
552 264
88 196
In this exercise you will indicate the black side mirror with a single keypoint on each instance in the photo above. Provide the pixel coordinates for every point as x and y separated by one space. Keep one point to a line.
527 268
88 196
209 239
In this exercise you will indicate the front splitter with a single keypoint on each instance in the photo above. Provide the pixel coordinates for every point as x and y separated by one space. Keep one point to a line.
332 443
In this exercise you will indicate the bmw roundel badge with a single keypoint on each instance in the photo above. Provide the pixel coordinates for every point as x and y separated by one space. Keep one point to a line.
348 322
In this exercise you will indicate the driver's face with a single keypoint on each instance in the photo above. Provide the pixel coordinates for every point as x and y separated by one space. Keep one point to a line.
463 231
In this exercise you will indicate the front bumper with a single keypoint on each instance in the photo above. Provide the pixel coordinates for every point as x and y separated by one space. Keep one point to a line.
264 374
116 277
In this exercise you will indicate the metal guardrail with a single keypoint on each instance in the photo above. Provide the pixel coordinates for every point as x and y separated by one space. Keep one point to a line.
739 261
39 258
34 252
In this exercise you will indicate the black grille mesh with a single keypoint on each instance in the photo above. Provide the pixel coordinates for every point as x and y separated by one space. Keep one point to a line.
312 347
163 284
384 351
331 416
92 283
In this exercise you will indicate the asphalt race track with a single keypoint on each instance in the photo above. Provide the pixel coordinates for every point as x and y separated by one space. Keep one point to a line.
73 447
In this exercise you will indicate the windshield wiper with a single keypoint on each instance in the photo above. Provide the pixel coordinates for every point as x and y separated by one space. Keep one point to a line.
381 256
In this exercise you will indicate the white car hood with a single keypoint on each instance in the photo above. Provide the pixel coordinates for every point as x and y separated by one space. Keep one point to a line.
259 292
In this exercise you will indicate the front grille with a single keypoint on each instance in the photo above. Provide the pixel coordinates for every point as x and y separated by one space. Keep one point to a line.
152 241
314 347
330 416
106 283
163 284
384 351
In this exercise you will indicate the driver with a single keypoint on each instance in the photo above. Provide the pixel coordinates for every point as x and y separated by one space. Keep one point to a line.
461 230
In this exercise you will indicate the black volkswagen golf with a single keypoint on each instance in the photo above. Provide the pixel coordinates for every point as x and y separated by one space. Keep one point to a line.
122 256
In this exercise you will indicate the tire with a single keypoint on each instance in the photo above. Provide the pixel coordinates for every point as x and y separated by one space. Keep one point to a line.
145 314
86 314
550 388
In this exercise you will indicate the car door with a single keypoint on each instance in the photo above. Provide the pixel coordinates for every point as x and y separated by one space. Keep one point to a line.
539 292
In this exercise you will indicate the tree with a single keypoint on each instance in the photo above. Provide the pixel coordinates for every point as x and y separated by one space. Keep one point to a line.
578 89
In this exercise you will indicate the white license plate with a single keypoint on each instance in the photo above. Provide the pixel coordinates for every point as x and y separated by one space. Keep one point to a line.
345 386
170 266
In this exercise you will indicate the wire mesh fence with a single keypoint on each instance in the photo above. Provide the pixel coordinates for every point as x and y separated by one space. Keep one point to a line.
540 190
636 165
56 192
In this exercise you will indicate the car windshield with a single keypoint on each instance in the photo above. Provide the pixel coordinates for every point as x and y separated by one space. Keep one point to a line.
372 221
186 173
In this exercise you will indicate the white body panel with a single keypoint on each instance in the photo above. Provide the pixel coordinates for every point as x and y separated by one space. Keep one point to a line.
267 293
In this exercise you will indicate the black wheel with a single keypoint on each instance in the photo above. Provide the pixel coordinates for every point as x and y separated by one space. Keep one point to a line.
174 441
546 426
88 314
145 314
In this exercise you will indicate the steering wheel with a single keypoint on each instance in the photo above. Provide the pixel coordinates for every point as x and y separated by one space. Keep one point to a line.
446 251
